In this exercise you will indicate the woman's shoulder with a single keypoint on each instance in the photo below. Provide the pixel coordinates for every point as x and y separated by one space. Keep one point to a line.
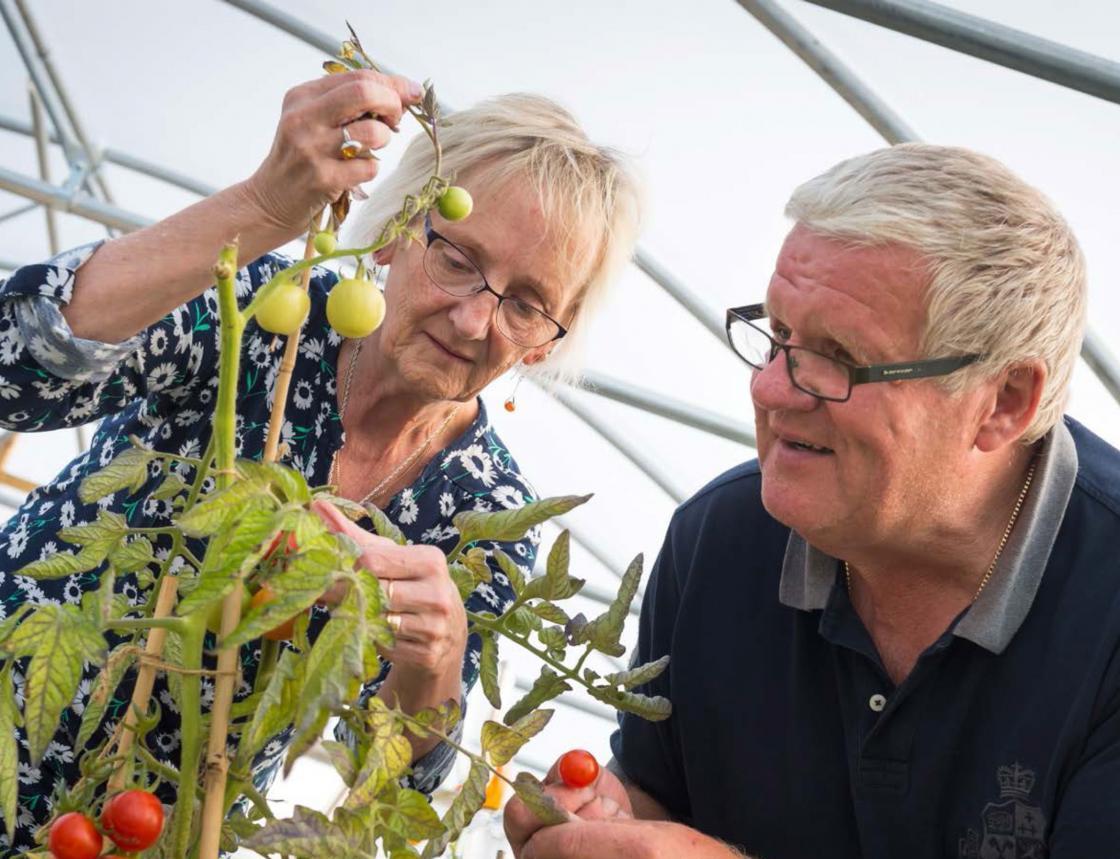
481 466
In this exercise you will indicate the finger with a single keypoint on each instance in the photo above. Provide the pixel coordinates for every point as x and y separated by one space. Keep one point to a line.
602 808
408 91
368 132
519 823
358 94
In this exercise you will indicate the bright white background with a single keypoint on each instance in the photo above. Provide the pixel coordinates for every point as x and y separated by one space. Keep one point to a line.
722 118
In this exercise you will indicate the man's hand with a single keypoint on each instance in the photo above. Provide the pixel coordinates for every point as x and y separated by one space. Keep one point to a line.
603 799
620 838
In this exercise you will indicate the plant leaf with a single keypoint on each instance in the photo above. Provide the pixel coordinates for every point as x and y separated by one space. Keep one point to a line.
488 671
385 526
59 641
501 743
220 508
9 751
639 674
462 809
507 526
652 708
540 803
107 682
546 687
409 814
128 470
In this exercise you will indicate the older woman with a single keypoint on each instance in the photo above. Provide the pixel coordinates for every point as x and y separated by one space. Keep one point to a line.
125 331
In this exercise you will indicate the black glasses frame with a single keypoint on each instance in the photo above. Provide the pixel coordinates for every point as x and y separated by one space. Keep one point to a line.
430 234
857 374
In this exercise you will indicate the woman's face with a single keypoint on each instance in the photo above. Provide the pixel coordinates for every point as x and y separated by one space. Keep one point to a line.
448 347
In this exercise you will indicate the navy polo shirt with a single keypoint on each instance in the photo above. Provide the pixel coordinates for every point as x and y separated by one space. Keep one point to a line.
788 739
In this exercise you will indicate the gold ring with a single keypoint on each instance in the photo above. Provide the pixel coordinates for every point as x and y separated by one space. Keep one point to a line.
349 148
393 618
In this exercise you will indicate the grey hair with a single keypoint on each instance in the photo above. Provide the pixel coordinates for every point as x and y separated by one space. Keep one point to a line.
585 190
1006 275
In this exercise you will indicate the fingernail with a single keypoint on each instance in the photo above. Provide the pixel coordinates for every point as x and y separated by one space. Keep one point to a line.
414 89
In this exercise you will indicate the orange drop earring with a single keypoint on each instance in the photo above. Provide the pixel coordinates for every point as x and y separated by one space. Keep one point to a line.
511 400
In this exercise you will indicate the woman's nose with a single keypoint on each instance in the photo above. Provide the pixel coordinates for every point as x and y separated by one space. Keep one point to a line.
472 315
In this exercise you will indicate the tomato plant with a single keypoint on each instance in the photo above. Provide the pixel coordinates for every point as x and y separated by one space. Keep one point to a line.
241 524
324 242
355 307
578 768
455 204
133 819
284 631
74 836
285 309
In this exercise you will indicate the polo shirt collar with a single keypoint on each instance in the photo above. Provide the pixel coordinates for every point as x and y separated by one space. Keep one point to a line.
809 575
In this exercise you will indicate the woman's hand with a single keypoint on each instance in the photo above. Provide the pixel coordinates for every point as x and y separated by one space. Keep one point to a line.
429 620
305 171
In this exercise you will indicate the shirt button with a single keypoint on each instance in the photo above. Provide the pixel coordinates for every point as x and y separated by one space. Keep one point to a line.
877 702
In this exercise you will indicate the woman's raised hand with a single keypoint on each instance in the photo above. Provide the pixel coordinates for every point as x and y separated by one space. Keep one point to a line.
305 169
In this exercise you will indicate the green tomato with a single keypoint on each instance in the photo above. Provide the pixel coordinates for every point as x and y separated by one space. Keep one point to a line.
455 204
214 613
325 242
355 307
284 310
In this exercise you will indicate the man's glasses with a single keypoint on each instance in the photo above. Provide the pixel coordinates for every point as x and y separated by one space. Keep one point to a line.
818 374
455 273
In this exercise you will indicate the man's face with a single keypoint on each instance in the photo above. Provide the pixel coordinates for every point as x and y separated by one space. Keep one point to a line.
894 453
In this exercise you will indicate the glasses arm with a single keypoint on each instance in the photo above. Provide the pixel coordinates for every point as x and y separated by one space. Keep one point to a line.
910 369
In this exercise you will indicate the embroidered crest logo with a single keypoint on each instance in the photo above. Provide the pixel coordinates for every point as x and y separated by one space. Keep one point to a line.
1013 828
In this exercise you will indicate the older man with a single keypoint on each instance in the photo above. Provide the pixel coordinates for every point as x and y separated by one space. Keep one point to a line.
895 635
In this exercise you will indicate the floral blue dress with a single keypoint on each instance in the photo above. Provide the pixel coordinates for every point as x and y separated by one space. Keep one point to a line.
160 386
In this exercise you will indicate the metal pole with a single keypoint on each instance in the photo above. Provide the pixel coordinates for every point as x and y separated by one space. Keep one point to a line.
44 165
19 210
40 84
76 203
667 407
696 306
622 445
1101 362
831 68
979 37
63 98
124 159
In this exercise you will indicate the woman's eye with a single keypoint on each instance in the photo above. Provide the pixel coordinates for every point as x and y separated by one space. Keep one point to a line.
781 333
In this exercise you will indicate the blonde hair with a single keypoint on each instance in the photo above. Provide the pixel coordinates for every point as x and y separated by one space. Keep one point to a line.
1007 277
585 190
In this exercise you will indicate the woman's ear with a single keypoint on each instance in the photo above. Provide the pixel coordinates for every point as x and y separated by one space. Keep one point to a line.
385 255
536 355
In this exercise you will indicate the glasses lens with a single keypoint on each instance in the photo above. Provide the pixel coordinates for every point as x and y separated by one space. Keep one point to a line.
818 375
752 344
525 324
450 270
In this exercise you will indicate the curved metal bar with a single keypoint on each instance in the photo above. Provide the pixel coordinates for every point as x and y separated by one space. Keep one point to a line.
830 67
987 40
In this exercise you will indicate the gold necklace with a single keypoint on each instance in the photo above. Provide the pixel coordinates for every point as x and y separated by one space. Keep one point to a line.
1002 541
335 474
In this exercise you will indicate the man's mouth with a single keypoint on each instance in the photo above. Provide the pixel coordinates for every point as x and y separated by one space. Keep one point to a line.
806 446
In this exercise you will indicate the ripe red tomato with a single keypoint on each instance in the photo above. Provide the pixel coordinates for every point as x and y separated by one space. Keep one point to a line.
133 819
284 631
578 768
291 547
73 836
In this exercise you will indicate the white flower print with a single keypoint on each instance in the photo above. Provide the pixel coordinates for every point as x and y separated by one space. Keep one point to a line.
59 284
481 505
8 390
477 462
520 549
66 514
17 542
82 408
259 352
157 343
78 704
446 504
302 395
487 592
509 497
46 351
312 348
408 509
28 774
72 590
162 376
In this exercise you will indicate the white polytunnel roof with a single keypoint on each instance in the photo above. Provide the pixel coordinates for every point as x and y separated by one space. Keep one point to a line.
724 121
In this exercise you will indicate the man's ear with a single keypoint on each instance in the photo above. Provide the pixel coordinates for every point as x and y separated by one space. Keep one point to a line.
1014 406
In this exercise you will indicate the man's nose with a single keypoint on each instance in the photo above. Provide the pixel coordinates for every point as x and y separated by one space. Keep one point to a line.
772 389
